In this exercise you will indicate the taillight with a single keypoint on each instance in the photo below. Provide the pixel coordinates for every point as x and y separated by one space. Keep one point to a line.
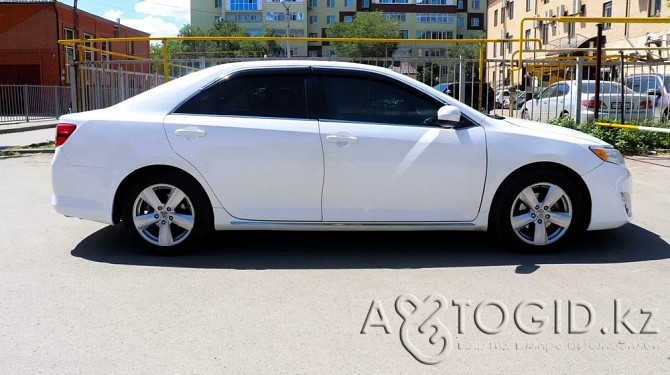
63 132
591 103
646 104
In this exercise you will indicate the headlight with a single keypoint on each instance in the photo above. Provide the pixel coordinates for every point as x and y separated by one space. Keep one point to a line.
608 154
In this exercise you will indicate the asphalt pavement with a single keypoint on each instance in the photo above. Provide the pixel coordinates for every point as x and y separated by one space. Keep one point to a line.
79 297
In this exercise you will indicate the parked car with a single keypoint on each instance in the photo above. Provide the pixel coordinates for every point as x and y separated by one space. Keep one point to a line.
471 94
321 145
502 97
562 100
657 88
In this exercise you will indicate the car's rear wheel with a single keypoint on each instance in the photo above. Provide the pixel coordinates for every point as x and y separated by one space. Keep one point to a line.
167 214
539 211
525 115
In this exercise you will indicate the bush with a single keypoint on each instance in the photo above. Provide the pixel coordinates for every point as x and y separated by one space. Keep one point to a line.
625 140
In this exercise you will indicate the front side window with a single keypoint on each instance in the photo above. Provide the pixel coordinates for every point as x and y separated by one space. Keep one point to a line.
362 99
263 95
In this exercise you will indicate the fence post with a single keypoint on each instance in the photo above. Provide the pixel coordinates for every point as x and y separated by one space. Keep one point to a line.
461 79
57 100
165 61
201 62
120 86
481 78
73 88
580 78
25 102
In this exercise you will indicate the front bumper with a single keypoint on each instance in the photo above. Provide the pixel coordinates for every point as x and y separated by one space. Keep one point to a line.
83 192
610 188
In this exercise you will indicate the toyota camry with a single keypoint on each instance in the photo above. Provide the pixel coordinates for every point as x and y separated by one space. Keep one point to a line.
317 145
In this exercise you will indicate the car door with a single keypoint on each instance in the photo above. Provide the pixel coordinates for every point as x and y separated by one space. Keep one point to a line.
386 162
541 111
254 141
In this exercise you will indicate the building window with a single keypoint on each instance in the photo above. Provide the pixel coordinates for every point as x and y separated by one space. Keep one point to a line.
330 20
607 12
509 44
502 16
366 4
475 4
459 36
511 9
434 18
495 18
431 35
312 3
281 16
105 47
571 30
450 34
527 44
502 49
348 3
655 8
436 2
244 4
89 55
402 17
461 5
254 32
474 22
347 18
244 17
218 3
69 50
131 48
459 21
313 35
393 1
495 49
545 33
529 5
404 34
312 20
330 3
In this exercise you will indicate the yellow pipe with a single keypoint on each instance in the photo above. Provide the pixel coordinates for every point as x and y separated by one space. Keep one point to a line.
130 57
634 127
166 71
305 39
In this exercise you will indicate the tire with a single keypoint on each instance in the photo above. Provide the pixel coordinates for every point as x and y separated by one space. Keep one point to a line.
525 115
537 229
157 226
565 114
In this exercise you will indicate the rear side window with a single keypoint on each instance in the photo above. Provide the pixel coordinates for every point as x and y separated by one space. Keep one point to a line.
363 99
252 95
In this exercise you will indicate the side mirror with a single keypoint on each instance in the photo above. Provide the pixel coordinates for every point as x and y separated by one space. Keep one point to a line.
654 92
536 96
449 116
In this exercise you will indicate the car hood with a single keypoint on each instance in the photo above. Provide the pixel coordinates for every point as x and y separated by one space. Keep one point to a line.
545 128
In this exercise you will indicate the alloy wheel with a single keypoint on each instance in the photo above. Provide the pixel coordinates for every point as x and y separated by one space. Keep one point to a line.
541 214
163 215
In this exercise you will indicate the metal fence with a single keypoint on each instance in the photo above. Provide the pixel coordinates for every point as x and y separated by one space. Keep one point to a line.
106 83
20 103
546 89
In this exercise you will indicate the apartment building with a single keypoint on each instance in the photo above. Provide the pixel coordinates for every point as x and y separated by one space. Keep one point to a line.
422 19
504 17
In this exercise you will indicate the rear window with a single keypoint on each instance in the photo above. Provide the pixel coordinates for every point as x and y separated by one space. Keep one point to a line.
605 88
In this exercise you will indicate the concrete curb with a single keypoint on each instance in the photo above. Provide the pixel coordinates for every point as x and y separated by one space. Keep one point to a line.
28 128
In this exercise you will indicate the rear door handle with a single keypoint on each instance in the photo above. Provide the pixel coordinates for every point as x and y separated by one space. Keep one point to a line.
342 138
190 132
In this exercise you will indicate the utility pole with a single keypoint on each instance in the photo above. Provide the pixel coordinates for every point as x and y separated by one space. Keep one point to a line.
287 15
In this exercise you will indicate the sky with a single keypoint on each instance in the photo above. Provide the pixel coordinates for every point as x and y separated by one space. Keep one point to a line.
157 17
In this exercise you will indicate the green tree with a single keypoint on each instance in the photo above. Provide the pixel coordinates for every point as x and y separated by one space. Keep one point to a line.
365 25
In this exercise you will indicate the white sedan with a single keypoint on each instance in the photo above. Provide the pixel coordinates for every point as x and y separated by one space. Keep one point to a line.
310 145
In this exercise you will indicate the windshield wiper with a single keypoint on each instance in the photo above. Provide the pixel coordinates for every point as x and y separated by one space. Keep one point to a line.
497 117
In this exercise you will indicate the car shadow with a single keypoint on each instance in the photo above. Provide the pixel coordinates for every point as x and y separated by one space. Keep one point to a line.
260 250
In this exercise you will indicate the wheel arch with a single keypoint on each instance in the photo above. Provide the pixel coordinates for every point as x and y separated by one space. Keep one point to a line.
151 169
542 166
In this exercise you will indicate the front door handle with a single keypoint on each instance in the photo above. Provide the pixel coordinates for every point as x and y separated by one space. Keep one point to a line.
190 132
342 138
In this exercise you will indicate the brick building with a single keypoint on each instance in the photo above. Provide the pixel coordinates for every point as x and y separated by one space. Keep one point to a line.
29 34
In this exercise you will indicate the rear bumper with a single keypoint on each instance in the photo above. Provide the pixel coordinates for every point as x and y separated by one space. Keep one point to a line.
83 192
610 188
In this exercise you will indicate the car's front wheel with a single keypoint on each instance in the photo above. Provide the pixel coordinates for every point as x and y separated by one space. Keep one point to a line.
539 210
166 213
